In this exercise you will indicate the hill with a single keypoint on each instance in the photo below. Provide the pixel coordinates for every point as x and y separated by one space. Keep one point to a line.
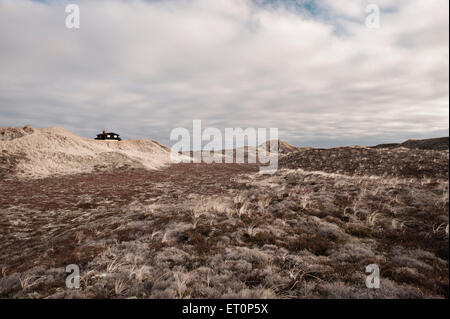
438 144
283 147
356 160
33 152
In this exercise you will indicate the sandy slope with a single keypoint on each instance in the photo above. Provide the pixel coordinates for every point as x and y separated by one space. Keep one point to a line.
249 154
43 152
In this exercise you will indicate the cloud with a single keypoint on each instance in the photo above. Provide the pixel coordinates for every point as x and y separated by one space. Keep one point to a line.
312 69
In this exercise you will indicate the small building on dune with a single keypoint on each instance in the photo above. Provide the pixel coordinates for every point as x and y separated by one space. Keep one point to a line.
108 136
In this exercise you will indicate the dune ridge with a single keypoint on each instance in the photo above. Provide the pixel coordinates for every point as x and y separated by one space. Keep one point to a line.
35 153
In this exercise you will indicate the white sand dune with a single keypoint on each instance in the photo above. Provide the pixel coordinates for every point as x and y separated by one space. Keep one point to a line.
55 151
249 154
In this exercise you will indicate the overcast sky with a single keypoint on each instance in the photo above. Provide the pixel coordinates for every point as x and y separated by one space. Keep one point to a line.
310 68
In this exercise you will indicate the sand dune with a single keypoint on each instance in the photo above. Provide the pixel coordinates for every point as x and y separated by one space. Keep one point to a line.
438 144
34 153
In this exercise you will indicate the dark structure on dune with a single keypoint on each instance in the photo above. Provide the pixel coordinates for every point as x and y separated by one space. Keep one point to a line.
108 136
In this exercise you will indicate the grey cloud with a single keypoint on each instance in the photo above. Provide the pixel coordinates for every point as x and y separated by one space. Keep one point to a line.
144 68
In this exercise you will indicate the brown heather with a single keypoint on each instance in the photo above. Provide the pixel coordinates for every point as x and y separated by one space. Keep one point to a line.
225 231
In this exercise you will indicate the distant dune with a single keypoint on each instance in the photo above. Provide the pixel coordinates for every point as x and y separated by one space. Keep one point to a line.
249 153
438 144
32 152
283 147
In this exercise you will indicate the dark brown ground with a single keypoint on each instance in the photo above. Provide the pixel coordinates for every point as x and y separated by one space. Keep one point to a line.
40 198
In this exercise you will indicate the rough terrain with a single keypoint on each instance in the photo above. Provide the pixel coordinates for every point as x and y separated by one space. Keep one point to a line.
225 231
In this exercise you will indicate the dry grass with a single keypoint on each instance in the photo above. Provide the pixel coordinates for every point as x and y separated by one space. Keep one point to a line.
224 231
397 162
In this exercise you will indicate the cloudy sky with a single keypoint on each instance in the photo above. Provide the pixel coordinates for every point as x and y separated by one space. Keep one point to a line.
313 69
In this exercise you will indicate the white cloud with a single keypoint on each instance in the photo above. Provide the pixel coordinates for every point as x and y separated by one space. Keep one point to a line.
143 68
